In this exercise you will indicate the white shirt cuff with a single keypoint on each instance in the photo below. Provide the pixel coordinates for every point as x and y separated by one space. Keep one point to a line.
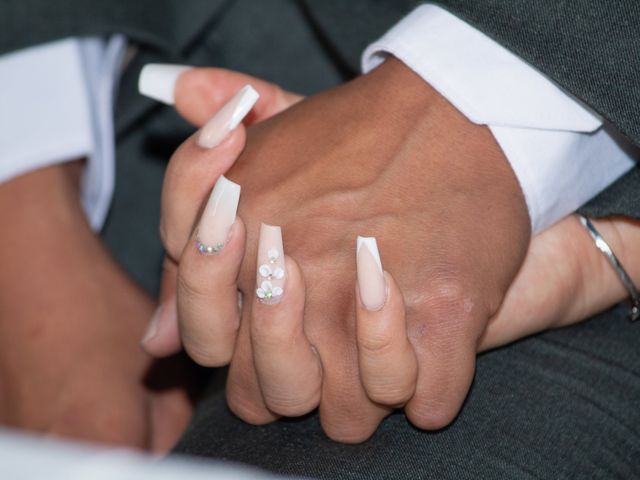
558 148
56 105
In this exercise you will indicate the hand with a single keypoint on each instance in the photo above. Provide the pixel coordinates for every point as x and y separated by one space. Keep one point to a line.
562 257
384 156
199 94
346 152
70 320
565 279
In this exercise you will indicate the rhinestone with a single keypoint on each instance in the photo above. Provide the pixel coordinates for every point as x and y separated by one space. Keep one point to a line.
273 255
264 271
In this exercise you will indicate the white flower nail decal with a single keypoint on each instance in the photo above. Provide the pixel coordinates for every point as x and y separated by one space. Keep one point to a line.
267 272
271 274
267 291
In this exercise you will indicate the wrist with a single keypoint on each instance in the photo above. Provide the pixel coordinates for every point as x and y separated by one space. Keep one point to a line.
470 154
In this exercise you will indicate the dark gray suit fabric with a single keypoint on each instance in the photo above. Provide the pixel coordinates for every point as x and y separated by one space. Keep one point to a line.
166 25
559 405
562 405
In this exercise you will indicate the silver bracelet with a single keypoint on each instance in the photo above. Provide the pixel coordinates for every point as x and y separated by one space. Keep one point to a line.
634 295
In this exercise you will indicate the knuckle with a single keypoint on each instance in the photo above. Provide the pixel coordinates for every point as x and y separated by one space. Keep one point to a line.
247 410
432 415
448 303
294 406
392 393
190 289
375 344
208 355
446 294
270 335
347 433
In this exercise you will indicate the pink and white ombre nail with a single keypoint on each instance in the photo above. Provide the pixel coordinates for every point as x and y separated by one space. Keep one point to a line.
218 216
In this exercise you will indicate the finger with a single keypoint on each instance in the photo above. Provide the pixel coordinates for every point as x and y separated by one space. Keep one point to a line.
388 366
163 337
288 368
564 279
243 392
197 165
347 414
200 92
445 343
207 279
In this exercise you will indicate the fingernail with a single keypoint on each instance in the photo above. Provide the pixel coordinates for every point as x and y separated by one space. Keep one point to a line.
218 216
270 277
373 291
228 117
158 81
152 329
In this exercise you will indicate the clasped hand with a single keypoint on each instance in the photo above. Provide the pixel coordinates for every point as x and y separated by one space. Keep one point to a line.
323 323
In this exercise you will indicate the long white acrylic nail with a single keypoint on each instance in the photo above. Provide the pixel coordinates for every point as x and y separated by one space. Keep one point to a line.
270 277
158 81
373 290
228 117
218 216
152 328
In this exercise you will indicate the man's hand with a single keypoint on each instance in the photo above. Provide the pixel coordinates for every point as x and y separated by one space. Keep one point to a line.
383 156
70 321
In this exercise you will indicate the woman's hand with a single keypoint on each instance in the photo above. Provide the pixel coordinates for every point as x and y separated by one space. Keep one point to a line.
199 94
565 279
70 364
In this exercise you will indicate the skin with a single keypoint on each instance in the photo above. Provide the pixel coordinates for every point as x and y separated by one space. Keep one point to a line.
343 181
563 280
70 319
107 396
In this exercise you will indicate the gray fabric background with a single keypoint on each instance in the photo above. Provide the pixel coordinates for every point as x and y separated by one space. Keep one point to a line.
558 405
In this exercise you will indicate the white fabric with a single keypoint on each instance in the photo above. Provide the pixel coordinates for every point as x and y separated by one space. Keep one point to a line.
56 106
27 457
558 149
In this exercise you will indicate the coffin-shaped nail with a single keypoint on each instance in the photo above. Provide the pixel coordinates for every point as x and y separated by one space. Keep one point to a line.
218 216
158 81
228 117
371 283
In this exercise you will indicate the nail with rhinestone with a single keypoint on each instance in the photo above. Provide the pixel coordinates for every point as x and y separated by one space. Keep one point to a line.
218 216
270 277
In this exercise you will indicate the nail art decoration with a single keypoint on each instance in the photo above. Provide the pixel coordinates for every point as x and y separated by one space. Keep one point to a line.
218 216
370 274
228 117
271 269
